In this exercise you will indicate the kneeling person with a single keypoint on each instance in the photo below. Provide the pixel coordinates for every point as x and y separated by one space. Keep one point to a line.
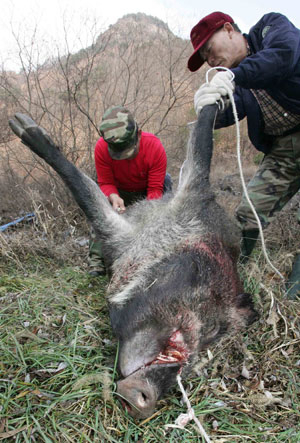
130 164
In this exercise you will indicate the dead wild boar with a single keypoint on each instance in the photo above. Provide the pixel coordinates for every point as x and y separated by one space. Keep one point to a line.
174 286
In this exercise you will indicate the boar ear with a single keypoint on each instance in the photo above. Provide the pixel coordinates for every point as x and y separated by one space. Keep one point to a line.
245 308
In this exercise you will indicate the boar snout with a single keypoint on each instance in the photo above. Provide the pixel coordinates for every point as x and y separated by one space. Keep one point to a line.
138 396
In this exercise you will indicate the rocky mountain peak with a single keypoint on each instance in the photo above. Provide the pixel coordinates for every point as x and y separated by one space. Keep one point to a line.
133 26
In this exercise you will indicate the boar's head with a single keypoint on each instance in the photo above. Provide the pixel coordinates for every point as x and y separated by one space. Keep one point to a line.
187 301
173 262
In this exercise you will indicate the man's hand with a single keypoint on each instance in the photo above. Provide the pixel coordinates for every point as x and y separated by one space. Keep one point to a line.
117 203
206 95
223 81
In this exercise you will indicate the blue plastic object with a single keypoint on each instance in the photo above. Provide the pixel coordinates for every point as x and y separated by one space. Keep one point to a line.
18 220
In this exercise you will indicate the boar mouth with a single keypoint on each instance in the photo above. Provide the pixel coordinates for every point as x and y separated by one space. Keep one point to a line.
141 389
174 353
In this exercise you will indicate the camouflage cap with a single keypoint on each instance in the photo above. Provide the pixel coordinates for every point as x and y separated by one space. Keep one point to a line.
119 130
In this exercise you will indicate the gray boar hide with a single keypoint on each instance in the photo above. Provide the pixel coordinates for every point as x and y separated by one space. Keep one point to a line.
174 285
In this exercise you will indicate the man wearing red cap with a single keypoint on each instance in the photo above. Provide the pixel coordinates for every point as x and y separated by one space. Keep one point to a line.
266 68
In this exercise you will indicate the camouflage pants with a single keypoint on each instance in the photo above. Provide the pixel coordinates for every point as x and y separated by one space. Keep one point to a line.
274 184
95 249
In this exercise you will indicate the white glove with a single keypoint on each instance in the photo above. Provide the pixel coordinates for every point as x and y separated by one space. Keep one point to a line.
223 81
206 95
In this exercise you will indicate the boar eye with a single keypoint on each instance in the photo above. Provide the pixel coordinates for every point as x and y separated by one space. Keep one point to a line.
213 331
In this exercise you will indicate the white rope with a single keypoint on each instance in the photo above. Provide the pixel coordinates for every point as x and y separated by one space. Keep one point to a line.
191 412
238 149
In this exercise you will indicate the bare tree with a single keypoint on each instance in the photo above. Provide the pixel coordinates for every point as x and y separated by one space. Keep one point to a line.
137 63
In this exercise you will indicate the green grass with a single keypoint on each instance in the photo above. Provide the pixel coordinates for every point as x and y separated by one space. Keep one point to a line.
58 359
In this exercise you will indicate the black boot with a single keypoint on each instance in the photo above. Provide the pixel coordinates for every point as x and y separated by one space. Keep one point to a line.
249 238
293 283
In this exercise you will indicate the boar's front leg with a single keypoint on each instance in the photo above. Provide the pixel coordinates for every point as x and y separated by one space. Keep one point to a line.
85 191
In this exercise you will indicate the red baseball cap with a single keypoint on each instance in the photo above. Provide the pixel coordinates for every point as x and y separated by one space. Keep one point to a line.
202 32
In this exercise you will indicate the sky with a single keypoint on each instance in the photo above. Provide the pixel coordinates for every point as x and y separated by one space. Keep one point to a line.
54 25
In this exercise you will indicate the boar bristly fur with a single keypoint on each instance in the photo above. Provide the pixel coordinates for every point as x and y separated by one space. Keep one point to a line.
174 285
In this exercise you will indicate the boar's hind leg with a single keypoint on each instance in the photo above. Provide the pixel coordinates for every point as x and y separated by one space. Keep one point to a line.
194 183
85 191
201 147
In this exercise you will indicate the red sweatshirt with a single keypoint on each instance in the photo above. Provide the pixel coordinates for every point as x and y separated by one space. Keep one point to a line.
144 172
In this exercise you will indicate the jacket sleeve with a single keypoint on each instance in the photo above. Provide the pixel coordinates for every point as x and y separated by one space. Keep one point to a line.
104 171
157 171
277 56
